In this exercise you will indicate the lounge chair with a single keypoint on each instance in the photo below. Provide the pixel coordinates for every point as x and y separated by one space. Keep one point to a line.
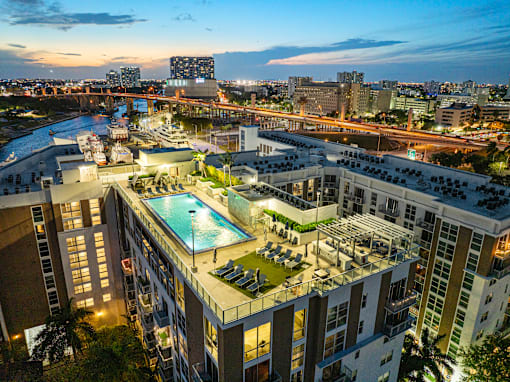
294 241
255 286
263 250
167 190
173 188
273 254
294 263
280 233
238 271
181 187
281 259
160 190
248 276
140 192
225 269
151 192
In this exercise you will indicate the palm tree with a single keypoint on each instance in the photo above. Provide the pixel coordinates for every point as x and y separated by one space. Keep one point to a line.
199 156
65 329
422 357
492 149
227 160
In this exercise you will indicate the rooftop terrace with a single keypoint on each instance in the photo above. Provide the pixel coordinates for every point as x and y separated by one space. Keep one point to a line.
230 304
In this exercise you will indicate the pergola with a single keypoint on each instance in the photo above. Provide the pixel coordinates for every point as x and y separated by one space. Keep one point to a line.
346 232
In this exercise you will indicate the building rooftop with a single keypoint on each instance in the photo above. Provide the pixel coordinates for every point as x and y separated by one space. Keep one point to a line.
461 189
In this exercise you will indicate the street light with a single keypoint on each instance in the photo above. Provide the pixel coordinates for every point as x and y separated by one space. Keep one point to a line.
192 213
317 267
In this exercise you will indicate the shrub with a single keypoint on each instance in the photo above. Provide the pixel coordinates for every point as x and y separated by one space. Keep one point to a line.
301 228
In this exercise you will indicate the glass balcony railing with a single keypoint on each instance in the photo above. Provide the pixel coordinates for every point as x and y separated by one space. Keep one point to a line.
425 225
389 211
392 330
269 301
161 318
396 306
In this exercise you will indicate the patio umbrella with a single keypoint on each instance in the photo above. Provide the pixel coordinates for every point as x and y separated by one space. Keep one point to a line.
257 275
274 218
306 250
286 225
214 258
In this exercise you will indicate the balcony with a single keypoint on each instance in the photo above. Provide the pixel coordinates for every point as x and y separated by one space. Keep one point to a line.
392 330
161 318
396 306
147 322
425 225
166 374
145 304
149 341
165 357
502 254
425 244
500 272
358 199
199 374
144 286
389 211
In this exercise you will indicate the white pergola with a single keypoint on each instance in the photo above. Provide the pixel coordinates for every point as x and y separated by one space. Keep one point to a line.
346 231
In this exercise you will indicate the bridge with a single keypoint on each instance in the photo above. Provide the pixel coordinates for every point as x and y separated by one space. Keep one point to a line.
268 118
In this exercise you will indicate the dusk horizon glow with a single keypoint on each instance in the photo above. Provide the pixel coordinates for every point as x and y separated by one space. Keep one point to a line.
457 41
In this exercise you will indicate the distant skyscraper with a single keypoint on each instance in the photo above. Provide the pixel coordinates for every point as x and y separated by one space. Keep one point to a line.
432 87
130 77
350 77
297 81
112 79
388 84
191 68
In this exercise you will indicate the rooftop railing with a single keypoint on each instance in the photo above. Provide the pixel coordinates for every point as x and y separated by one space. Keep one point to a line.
257 305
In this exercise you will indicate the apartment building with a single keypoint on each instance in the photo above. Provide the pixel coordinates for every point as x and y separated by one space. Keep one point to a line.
419 106
56 241
461 220
318 98
296 81
380 100
454 116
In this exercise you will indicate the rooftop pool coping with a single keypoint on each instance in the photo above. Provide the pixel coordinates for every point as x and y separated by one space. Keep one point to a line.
176 236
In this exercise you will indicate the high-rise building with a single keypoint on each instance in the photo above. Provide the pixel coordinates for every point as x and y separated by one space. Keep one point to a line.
190 68
432 87
353 77
419 106
380 100
130 77
297 81
113 79
388 84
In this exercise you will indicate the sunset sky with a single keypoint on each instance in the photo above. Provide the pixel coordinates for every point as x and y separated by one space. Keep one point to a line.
406 40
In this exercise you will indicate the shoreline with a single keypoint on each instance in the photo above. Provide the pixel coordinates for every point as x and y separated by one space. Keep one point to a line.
30 130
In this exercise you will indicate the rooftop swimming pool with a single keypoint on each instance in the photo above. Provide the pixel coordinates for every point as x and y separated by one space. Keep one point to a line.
211 229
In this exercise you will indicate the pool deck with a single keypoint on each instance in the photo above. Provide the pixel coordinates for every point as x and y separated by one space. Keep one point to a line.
225 295
222 293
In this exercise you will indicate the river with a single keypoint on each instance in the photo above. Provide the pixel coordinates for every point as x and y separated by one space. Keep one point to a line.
39 138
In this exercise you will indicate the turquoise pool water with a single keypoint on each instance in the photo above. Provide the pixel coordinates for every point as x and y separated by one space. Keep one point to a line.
211 229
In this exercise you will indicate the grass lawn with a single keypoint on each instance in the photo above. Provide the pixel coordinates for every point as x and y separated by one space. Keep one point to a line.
216 184
275 273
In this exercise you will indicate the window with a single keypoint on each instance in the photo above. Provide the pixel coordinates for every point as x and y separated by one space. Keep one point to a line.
387 357
40 232
445 250
107 297
464 299
384 378
479 335
80 275
78 260
75 244
438 286
257 342
468 281
101 257
442 269
53 298
337 316
298 353
89 302
299 324
105 283
78 289
356 355
360 327
49 281
103 271
46 266
297 376
435 303
334 343
70 210
449 231
476 242
37 214
484 317
211 338
410 213
488 298
364 300
373 199
460 317
44 249
179 293
98 239
472 261
95 211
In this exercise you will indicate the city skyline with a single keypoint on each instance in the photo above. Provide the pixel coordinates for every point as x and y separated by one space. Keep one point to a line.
455 41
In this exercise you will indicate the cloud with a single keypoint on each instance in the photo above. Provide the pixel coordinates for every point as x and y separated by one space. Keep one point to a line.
184 17
45 14
124 58
69 54
17 46
209 29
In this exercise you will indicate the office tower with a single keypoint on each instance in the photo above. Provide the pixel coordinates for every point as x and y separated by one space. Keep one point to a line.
55 241
432 87
350 77
419 106
380 100
191 68
113 79
388 84
130 77
297 81
320 98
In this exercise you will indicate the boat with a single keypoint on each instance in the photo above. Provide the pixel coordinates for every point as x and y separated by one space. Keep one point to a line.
51 132
11 158
170 136
91 146
116 131
99 158
121 154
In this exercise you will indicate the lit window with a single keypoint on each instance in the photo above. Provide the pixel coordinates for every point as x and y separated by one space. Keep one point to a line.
105 283
211 338
107 297
298 353
94 207
98 238
257 342
78 260
70 210
81 275
89 302
76 244
299 324
80 304
40 232
101 258
96 220
82 288
103 271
